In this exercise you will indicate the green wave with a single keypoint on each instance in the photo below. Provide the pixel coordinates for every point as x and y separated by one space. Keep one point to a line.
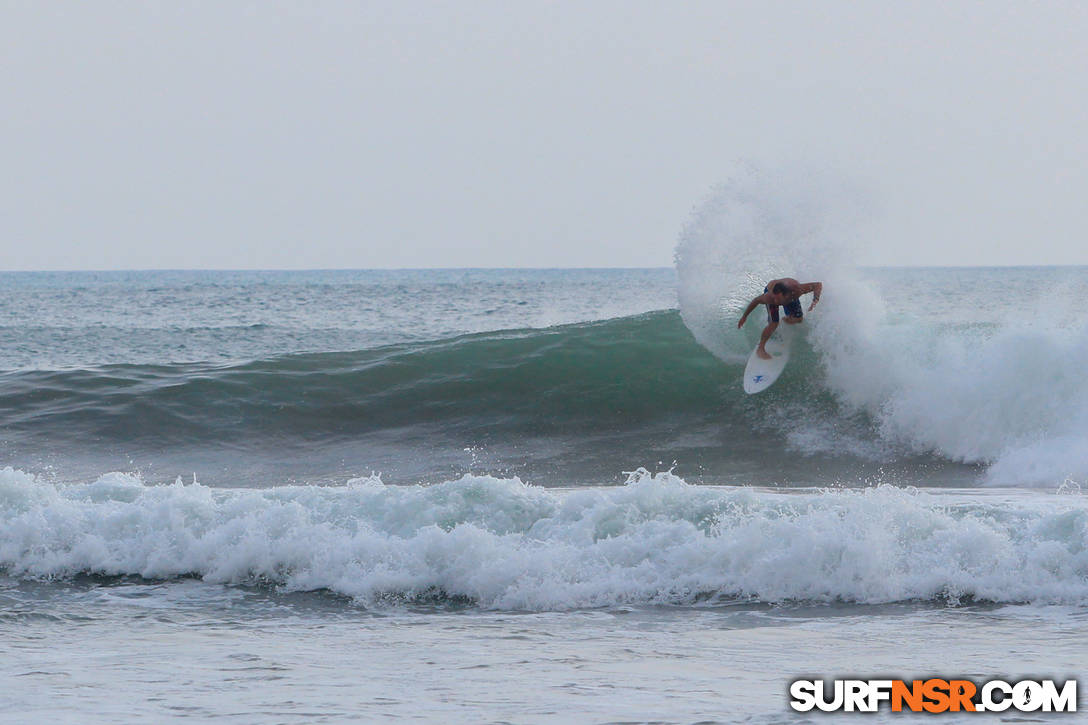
614 373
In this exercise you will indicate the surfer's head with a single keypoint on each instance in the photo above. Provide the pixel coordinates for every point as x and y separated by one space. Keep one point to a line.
779 291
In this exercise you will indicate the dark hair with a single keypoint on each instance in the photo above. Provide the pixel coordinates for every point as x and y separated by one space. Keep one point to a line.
779 289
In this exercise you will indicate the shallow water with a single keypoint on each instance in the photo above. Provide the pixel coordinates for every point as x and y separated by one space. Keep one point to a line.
185 649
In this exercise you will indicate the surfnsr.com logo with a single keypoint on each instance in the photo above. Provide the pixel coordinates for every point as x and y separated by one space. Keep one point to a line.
933 695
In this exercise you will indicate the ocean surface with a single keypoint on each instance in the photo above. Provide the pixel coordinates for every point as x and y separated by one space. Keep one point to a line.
533 495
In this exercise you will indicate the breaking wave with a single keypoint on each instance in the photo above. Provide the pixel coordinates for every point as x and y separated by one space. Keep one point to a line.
502 544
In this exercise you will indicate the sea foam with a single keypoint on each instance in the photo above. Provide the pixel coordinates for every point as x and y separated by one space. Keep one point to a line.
503 544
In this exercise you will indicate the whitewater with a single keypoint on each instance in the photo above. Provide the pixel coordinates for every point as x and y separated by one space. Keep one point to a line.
502 544
361 495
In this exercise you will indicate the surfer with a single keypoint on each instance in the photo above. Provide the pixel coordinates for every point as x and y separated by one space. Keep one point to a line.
785 292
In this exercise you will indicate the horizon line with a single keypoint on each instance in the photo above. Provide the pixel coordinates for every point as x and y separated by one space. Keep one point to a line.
488 269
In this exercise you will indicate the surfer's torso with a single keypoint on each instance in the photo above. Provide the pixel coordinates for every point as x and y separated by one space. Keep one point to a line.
790 301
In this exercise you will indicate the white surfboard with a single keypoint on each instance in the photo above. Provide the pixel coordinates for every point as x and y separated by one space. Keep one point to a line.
760 374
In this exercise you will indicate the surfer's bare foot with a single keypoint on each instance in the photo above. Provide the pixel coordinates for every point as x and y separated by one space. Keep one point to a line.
763 354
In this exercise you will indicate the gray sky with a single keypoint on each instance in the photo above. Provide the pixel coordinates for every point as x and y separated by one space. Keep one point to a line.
418 134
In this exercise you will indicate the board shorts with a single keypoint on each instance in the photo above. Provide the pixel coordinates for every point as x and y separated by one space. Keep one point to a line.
791 309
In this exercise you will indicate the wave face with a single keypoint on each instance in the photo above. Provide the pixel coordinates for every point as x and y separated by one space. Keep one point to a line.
500 544
570 404
590 376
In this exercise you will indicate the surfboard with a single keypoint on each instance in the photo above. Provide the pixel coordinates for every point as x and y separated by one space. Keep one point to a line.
760 374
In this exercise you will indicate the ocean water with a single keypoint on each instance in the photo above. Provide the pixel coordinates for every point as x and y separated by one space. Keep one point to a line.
534 495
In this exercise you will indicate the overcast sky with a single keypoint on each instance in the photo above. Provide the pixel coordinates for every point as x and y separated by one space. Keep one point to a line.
417 134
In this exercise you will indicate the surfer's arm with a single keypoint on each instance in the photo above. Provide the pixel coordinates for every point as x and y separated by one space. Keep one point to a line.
751 306
815 288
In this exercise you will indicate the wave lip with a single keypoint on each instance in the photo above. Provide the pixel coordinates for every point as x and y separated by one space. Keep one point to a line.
501 544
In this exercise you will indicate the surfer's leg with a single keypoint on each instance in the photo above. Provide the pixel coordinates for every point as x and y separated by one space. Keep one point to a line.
794 313
767 332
